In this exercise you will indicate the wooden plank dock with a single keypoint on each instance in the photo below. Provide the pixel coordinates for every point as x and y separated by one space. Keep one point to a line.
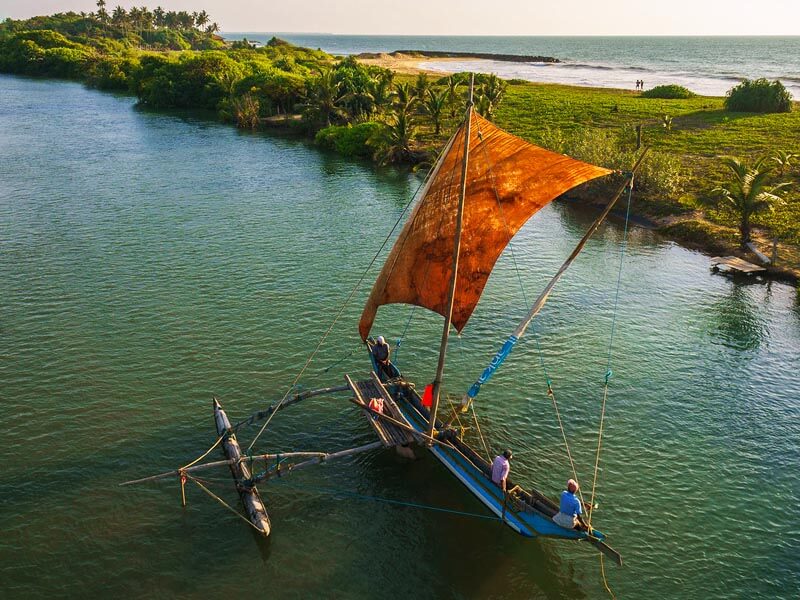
389 434
734 264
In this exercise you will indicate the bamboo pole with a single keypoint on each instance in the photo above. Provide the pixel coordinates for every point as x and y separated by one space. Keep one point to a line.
437 382
263 414
431 440
222 463
323 458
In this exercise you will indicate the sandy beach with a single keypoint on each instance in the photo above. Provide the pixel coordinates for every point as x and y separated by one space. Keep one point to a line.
404 63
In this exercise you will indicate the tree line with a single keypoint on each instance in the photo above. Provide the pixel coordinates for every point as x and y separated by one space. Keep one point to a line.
350 107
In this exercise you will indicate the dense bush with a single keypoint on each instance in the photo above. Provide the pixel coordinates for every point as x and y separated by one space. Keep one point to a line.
759 95
660 175
112 72
669 92
349 140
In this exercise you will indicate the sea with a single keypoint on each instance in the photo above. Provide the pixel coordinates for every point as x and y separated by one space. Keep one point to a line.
706 65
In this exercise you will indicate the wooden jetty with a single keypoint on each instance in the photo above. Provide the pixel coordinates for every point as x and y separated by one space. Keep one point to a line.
734 264
251 498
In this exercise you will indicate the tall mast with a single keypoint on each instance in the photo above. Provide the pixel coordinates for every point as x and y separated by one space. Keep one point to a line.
437 382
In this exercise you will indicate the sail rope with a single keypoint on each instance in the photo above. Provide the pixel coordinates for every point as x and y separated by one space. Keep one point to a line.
609 373
539 351
341 309
357 496
223 503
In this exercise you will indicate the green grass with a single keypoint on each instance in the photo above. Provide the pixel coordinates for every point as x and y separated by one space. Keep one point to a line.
702 132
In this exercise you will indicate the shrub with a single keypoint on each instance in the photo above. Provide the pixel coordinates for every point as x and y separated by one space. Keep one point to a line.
349 140
669 92
759 95
112 73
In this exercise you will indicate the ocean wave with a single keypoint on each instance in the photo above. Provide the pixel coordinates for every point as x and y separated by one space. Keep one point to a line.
596 67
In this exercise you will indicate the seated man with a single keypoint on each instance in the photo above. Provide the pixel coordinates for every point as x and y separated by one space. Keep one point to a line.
570 507
381 351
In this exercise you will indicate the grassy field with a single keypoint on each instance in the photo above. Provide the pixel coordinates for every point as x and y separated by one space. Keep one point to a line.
701 133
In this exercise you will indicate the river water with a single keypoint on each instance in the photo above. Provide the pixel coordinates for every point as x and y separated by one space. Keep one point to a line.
153 260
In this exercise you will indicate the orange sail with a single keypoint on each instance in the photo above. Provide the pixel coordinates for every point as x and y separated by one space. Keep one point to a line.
508 181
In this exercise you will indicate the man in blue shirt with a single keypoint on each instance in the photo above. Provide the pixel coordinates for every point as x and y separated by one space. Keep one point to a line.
569 508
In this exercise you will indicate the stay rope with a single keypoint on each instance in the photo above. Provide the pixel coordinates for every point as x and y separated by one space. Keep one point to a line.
223 503
609 373
358 496
339 313
539 352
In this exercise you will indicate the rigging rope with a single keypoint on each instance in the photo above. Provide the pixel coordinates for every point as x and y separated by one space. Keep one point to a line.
609 373
540 354
338 314
358 496
225 504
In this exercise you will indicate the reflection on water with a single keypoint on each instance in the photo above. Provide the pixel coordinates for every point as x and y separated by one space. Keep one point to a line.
737 322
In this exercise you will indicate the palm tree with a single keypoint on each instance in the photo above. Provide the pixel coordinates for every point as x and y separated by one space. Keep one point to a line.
404 98
120 18
213 28
201 19
434 105
748 193
493 91
453 97
785 160
378 87
158 16
394 142
421 85
325 99
102 13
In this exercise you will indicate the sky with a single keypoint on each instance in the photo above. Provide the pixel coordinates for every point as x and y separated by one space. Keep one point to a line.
469 17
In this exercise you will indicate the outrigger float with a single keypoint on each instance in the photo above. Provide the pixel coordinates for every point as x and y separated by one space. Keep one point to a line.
485 185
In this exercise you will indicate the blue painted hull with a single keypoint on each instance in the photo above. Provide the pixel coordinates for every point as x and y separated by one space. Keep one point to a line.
466 466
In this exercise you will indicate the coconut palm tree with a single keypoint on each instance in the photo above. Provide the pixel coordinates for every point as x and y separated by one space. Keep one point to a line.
434 104
325 99
394 142
404 98
493 91
453 97
785 160
747 194
379 88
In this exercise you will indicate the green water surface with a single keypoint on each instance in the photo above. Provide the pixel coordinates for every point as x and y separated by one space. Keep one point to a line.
149 261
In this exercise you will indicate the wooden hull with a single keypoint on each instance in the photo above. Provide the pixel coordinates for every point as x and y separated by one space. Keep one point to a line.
251 499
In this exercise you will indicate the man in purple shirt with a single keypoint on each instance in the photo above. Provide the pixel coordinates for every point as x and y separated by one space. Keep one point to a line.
500 468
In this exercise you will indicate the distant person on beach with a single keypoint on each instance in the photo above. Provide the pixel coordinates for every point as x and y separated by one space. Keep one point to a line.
641 84
569 508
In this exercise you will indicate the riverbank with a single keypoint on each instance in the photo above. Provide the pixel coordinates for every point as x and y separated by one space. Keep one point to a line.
383 111
691 137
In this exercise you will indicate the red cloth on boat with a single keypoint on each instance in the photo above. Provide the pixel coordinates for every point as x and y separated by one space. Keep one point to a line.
427 396
376 404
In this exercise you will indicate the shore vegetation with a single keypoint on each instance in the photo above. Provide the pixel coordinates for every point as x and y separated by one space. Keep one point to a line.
759 95
668 92
176 60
